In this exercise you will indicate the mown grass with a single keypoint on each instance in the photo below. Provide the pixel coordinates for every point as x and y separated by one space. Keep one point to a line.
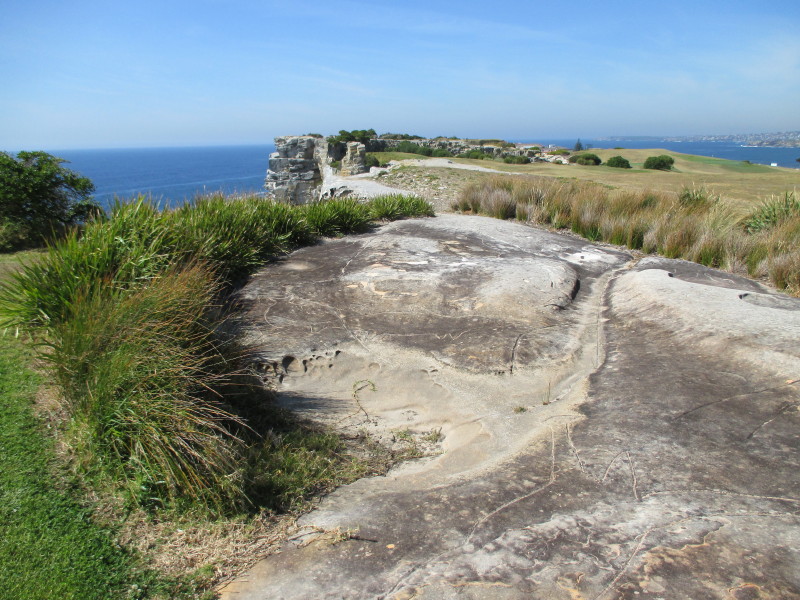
385 157
694 224
49 546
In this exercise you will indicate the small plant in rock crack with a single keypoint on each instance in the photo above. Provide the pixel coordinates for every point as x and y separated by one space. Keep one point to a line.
520 409
434 436
404 435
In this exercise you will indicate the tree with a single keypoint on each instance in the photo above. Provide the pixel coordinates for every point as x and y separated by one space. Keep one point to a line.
39 197
797 159
618 162
661 163
578 146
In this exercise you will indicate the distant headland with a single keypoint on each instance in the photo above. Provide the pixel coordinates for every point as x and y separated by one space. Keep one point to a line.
783 139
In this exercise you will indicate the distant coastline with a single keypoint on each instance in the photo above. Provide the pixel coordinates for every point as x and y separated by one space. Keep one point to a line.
783 139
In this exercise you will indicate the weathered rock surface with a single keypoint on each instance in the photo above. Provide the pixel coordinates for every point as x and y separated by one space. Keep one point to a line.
294 168
354 160
609 428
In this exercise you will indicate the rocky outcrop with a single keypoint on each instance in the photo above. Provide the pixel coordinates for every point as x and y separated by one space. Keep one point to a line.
301 165
603 427
294 168
354 160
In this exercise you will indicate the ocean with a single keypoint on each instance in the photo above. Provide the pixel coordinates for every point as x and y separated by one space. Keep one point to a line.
176 175
784 157
171 176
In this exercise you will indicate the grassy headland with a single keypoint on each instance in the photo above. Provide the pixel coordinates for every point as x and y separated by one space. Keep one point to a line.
735 181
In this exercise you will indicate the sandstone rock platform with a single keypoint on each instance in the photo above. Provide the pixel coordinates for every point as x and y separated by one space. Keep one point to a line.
597 426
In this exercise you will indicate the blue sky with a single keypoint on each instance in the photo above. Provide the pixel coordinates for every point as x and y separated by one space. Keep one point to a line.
96 74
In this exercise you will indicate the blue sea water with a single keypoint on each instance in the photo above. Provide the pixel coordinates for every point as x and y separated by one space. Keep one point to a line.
175 175
171 175
784 157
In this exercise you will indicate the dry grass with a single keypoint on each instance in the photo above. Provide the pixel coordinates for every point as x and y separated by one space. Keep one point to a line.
735 181
693 224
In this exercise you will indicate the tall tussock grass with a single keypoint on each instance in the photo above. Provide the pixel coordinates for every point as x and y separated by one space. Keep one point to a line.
694 224
140 375
126 313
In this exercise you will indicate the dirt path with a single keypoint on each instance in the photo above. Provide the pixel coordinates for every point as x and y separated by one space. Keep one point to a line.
598 427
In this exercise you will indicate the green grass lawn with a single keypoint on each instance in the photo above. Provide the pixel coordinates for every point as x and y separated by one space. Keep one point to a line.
49 547
734 166
387 156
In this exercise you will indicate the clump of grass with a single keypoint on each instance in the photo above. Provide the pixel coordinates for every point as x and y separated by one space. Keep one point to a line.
337 217
397 206
694 225
696 197
126 313
499 204
773 211
140 375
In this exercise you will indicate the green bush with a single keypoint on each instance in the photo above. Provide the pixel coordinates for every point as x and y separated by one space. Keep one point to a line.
475 154
400 136
560 152
412 148
618 162
40 198
370 160
587 159
660 163
516 160
357 135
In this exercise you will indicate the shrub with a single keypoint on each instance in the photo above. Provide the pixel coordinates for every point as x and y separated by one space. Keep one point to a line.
412 148
400 136
587 159
660 163
516 160
560 152
357 135
441 153
370 160
618 162
475 155
39 197
336 164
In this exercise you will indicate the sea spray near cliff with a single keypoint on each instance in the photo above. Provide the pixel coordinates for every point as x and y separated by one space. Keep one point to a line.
171 175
